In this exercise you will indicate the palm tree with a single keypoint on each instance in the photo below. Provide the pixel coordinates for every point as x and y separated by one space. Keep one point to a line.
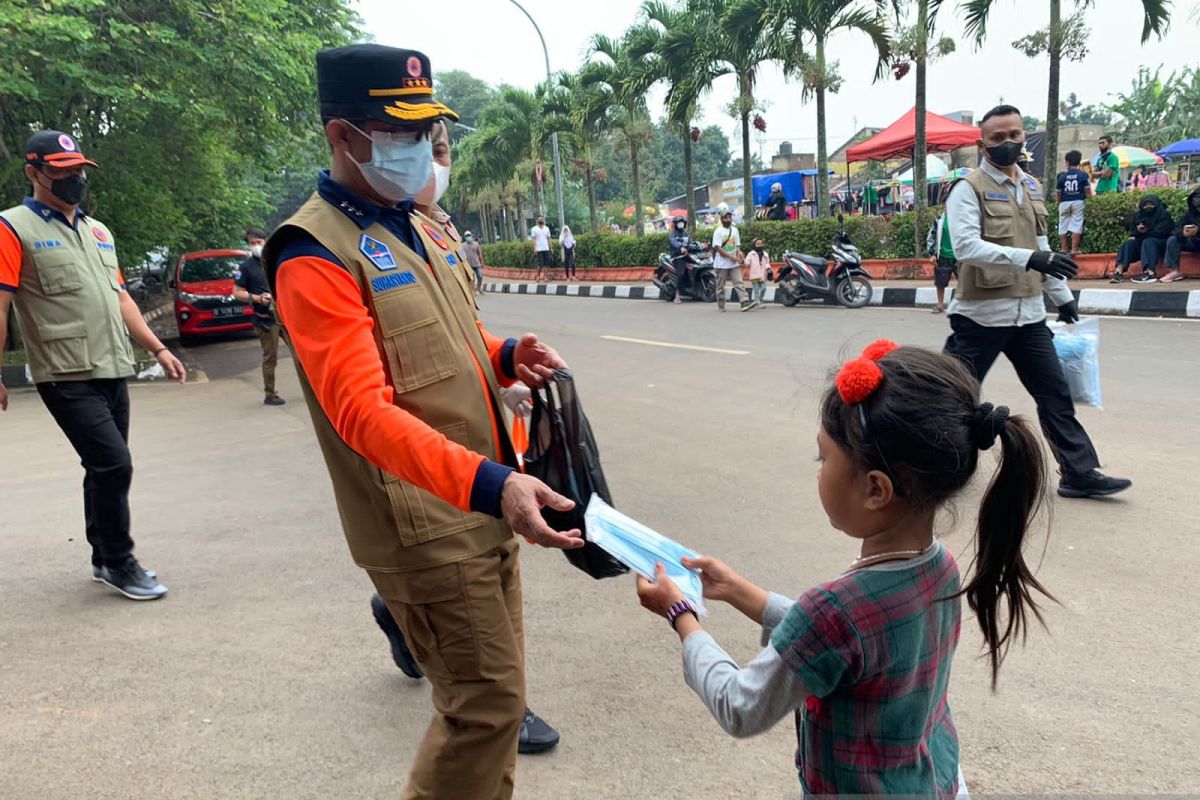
797 22
506 140
680 38
580 112
1155 20
624 73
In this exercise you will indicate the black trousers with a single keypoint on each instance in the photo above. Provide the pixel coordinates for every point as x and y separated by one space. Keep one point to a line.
95 417
1030 348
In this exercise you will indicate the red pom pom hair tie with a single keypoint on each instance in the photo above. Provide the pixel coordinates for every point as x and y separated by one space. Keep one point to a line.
859 378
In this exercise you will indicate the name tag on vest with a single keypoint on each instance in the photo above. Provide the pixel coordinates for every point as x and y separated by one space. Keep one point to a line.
393 281
996 196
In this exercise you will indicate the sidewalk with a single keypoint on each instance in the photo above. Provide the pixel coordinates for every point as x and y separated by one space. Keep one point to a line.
1094 297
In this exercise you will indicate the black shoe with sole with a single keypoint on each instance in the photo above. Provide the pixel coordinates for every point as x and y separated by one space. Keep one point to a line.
536 735
400 652
132 581
98 573
1091 484
273 400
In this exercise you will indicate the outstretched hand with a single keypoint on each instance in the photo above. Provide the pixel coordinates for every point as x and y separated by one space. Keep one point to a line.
521 503
718 578
536 361
660 594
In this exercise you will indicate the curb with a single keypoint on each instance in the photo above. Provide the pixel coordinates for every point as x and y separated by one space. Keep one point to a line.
155 313
1113 302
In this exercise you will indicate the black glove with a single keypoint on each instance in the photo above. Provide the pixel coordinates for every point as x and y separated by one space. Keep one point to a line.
1068 313
1056 265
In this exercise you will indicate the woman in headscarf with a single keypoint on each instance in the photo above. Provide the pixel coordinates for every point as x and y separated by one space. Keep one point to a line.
567 241
1147 242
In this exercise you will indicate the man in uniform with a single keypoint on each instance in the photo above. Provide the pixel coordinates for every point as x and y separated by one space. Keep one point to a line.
403 386
58 267
250 286
998 231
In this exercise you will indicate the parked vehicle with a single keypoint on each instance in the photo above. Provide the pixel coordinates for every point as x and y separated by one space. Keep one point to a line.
701 284
204 301
805 277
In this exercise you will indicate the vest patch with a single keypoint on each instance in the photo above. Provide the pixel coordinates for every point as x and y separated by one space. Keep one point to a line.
438 239
395 281
451 260
47 243
377 252
996 196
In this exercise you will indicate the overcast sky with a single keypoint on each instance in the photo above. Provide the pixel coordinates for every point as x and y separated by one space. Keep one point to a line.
494 41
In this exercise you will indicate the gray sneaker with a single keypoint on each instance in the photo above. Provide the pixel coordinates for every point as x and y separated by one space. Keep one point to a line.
132 581
98 573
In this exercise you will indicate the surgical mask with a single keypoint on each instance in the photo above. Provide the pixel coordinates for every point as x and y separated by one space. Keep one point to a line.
71 189
401 164
640 548
256 250
435 187
1005 154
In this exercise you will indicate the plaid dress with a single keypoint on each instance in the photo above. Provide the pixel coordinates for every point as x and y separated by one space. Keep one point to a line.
874 648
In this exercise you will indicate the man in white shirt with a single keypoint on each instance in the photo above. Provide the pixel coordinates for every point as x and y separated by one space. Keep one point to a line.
998 230
540 235
727 262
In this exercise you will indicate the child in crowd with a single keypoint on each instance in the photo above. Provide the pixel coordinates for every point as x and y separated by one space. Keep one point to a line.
759 262
864 659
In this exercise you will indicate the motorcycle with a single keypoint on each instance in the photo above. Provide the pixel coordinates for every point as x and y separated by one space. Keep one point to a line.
805 277
702 283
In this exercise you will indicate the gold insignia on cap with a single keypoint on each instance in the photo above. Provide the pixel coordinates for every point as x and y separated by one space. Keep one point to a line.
418 111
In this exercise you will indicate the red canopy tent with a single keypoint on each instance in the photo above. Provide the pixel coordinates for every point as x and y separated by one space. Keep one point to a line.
897 140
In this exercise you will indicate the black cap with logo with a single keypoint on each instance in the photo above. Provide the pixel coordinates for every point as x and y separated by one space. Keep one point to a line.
374 82
55 149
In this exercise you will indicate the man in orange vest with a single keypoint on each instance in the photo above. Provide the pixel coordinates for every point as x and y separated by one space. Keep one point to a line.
403 386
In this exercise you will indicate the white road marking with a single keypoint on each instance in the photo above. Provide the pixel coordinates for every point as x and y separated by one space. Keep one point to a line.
677 346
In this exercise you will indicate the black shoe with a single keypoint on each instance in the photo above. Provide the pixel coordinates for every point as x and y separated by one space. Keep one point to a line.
274 400
1091 484
536 735
1146 277
132 581
400 653
98 573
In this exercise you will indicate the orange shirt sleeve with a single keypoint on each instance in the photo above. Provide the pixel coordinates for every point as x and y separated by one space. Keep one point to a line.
11 254
330 331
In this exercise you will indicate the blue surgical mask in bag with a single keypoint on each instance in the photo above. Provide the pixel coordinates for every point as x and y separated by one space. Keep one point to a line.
640 548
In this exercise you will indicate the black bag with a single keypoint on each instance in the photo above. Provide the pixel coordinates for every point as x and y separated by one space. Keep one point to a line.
562 454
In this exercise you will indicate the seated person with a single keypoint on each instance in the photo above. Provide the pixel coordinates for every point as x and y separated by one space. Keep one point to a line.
1148 231
1185 238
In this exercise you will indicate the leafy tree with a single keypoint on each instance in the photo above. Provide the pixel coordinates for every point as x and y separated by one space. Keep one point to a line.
1155 111
1062 38
581 111
1074 112
467 95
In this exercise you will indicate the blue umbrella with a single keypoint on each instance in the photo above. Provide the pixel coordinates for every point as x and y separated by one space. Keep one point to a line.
1184 149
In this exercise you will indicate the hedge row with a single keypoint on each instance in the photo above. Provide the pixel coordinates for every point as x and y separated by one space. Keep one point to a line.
1106 224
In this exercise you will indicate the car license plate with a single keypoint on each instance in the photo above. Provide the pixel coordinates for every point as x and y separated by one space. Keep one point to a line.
235 311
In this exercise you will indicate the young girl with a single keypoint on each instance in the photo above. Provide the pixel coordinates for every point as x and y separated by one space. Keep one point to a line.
758 261
567 241
864 660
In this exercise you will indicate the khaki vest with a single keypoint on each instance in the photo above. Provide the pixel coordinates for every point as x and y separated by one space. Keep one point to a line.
433 354
1002 221
68 301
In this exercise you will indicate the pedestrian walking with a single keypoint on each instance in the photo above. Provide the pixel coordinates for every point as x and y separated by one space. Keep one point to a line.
1149 231
59 270
1108 168
865 658
250 286
567 242
945 265
727 262
1185 238
998 230
540 234
758 261
474 253
1074 188
402 383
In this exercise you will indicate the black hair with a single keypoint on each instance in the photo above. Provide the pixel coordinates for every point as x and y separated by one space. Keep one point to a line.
1107 137
924 429
255 233
1074 157
1002 110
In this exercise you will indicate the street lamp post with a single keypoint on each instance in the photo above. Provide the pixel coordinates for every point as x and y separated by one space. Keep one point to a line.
562 220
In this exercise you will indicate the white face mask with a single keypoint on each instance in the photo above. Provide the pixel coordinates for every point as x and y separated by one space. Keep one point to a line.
435 187
256 250
400 164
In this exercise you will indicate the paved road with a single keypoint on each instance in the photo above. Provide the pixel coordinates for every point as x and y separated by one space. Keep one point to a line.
262 674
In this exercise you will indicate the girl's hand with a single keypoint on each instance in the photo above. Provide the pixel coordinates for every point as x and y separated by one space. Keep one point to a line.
719 580
660 595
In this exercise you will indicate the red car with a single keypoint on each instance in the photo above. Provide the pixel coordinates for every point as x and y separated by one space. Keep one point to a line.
204 302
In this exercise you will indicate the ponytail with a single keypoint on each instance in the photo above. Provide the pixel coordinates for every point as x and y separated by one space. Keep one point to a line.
1013 499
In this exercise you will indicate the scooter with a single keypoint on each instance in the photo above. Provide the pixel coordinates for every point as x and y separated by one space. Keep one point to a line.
702 283
805 277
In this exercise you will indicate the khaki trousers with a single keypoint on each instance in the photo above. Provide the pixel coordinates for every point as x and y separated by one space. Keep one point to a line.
463 623
734 276
269 339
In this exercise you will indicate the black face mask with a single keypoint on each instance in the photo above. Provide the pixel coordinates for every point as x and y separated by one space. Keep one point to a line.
70 189
1103 148
1005 154
759 250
